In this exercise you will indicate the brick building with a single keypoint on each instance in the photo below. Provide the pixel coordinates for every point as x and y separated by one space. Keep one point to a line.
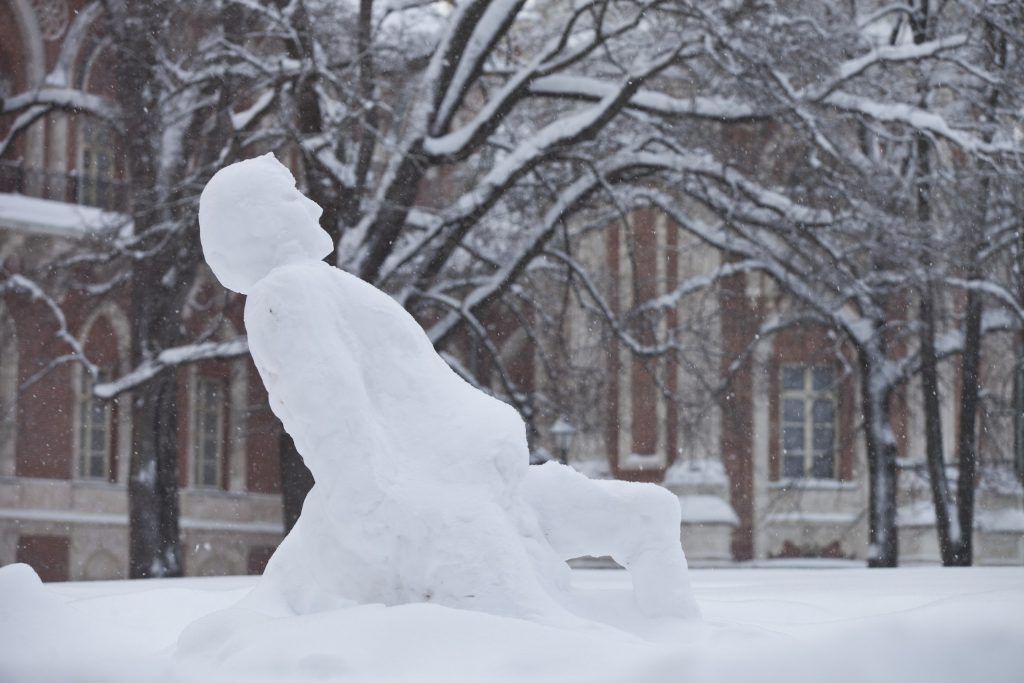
64 454
782 444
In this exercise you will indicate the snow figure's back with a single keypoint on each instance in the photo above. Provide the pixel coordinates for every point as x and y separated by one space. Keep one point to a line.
419 476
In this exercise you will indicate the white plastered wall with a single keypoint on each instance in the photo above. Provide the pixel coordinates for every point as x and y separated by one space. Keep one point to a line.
35 65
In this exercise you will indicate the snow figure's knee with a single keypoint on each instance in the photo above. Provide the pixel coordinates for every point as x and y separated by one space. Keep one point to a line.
635 524
656 509
581 516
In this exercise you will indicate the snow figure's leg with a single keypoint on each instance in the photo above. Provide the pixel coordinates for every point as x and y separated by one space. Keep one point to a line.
635 524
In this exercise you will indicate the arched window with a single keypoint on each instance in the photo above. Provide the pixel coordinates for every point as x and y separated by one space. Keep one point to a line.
95 426
96 178
208 422
101 429
102 565
97 169
217 399
6 76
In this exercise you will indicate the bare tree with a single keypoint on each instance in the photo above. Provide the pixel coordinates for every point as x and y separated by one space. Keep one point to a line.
842 236
172 133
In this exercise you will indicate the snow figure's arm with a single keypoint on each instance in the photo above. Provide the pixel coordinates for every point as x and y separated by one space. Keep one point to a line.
300 346
635 524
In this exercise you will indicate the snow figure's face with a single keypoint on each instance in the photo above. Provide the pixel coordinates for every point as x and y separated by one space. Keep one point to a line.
252 220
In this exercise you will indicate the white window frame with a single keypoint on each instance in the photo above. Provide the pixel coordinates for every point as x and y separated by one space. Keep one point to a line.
809 421
203 412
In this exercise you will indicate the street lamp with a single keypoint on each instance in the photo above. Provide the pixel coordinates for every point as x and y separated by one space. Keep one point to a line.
562 432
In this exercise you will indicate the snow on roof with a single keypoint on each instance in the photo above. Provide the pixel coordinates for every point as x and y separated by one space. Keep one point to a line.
813 484
50 217
1001 481
700 471
105 518
922 514
707 510
593 468
809 517
1008 520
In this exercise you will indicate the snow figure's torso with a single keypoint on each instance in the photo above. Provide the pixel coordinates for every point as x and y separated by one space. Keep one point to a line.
416 471
360 388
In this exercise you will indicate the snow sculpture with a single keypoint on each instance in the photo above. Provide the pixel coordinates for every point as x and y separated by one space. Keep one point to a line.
423 489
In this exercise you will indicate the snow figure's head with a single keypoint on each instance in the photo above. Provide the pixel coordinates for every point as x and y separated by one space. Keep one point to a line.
252 219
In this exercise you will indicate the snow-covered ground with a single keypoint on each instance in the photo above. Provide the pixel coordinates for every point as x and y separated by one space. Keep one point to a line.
857 625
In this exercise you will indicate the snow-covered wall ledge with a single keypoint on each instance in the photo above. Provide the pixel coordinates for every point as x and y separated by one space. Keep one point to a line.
707 517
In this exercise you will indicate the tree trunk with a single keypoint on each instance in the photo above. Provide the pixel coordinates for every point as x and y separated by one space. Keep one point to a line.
881 455
967 451
946 523
154 544
1018 416
154 548
967 441
1018 404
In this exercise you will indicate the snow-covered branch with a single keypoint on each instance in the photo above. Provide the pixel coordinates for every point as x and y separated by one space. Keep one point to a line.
23 286
171 358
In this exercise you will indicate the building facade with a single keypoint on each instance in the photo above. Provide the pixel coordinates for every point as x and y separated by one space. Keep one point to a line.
769 425
64 453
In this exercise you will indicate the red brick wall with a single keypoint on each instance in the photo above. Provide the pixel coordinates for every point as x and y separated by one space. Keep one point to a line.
44 445
258 558
47 555
614 366
263 434
671 281
644 414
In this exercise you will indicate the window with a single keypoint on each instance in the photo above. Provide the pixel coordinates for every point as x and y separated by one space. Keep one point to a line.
96 174
93 430
808 422
1018 413
207 432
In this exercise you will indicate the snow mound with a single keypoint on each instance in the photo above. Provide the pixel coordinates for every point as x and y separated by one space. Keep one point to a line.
934 624
423 489
701 509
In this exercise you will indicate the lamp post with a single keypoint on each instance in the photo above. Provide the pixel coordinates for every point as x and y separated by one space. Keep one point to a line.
562 432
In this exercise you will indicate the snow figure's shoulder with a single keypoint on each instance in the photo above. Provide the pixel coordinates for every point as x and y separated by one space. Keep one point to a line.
333 294
252 220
